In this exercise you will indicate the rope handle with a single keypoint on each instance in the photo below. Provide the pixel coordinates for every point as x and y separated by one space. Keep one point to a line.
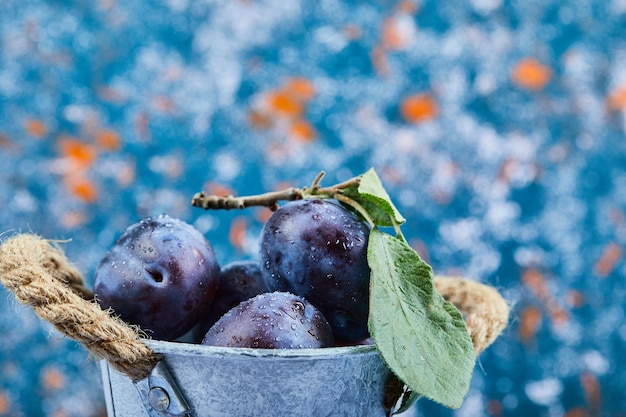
39 274
486 311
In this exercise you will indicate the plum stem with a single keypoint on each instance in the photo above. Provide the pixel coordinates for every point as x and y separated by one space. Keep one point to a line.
397 229
271 199
347 200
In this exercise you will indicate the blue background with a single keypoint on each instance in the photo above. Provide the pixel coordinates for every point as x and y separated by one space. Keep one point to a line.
513 172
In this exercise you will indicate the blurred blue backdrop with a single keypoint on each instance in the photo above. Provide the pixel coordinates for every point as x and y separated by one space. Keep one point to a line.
497 127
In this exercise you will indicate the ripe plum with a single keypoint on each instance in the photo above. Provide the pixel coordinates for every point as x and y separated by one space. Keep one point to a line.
277 320
161 275
238 281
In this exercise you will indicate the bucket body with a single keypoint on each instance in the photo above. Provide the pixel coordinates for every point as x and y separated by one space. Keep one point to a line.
241 382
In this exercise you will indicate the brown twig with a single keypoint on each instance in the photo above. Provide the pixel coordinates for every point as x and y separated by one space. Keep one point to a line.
271 199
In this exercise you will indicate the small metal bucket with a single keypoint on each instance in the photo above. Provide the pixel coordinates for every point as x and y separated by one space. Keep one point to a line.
240 382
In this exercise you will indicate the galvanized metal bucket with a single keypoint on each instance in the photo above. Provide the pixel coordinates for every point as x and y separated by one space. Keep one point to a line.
226 382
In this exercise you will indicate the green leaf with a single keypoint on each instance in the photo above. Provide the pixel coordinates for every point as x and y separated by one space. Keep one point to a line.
373 197
372 189
421 337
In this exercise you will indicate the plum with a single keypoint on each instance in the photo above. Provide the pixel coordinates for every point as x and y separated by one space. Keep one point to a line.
238 281
317 249
161 275
276 320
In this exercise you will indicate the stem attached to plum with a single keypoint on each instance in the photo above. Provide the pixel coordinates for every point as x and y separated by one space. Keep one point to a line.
271 199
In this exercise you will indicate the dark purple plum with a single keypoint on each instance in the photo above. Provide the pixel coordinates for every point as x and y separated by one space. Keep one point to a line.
238 281
317 249
161 275
276 320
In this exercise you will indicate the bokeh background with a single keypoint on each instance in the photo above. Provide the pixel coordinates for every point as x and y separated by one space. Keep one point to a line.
496 125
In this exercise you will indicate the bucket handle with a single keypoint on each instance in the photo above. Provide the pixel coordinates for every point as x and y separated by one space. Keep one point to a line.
486 311
39 275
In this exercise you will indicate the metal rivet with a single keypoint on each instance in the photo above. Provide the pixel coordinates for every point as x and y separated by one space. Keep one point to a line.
158 399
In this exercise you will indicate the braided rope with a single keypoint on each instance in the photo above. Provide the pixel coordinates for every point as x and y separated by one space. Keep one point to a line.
486 312
40 276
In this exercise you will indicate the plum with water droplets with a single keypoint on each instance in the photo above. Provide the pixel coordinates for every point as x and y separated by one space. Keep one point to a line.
238 281
276 320
161 275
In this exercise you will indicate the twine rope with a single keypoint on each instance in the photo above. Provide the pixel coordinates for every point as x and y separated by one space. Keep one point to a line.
38 273
486 312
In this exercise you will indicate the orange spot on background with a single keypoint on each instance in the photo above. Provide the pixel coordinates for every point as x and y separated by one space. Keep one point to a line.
82 188
575 298
214 188
173 167
576 412
536 282
285 104
36 128
379 60
283 185
611 255
418 108
108 139
60 413
77 151
126 175
72 219
558 315
237 234
530 321
508 166
52 379
163 104
301 88
284 109
408 7
530 73
617 99
593 394
263 214
142 126
5 142
392 175
260 120
352 32
441 197
110 94
494 408
5 403
392 38
302 130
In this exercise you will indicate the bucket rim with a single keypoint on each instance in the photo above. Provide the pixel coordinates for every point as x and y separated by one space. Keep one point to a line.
165 347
